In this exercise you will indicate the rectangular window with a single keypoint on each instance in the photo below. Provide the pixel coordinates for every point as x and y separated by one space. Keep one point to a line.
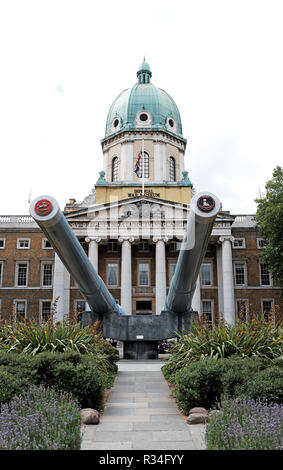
266 306
260 243
46 245
20 309
22 275
144 307
112 274
112 246
173 247
47 275
45 310
239 243
172 267
2 243
242 309
207 310
143 246
239 274
143 274
206 274
265 278
23 243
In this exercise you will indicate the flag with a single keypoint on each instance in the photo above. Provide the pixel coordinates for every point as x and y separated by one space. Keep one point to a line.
138 165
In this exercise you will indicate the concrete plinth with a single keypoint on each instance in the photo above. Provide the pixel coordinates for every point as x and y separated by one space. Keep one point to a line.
140 350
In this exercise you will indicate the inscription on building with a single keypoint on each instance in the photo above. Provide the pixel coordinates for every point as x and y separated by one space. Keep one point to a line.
147 192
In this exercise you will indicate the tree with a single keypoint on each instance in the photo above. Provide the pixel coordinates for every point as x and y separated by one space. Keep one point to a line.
269 220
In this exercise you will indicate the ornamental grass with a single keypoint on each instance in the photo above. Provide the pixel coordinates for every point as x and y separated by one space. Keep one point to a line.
246 425
258 338
40 419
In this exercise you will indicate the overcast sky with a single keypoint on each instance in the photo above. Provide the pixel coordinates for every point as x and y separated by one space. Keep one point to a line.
62 63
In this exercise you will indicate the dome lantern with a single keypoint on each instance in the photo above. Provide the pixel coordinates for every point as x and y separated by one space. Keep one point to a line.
144 72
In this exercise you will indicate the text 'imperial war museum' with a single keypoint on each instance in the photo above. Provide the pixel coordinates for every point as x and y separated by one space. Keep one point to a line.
131 226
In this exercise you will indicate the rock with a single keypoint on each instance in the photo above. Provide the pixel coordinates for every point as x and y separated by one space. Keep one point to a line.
197 418
198 409
89 416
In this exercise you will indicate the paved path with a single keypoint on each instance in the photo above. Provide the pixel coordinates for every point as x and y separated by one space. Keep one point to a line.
141 414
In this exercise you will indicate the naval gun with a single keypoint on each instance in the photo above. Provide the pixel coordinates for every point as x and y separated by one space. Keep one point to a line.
140 333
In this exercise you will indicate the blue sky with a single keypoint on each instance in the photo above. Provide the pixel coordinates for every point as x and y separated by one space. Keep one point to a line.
64 62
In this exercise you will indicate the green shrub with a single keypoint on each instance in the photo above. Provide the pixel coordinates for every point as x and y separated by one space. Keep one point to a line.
84 375
198 384
11 385
267 385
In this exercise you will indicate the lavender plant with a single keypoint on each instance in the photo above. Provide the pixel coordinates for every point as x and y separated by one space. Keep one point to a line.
40 419
246 425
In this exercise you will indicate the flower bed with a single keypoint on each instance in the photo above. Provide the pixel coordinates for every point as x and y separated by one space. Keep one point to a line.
40 419
246 425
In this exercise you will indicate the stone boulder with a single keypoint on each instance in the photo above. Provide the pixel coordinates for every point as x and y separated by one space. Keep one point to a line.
197 415
89 416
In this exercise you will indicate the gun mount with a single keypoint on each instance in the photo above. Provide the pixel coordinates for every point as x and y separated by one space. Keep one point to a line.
140 333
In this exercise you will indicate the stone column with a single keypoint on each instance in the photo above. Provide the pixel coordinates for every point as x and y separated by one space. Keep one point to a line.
127 161
196 298
126 275
93 256
160 274
228 280
93 251
61 290
159 161
220 279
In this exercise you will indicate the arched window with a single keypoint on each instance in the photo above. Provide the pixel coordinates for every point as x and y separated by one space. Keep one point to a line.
115 169
145 162
172 169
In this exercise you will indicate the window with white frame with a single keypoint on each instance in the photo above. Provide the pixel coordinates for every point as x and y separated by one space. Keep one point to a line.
143 274
266 306
144 163
20 309
45 308
46 245
239 243
260 243
240 274
47 274
206 307
242 309
206 274
2 243
23 243
21 274
114 170
112 274
265 277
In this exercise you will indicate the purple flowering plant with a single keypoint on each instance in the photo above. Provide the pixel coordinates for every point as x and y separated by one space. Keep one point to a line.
40 419
246 425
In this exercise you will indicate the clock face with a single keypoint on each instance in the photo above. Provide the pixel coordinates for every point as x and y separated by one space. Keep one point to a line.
206 203
43 207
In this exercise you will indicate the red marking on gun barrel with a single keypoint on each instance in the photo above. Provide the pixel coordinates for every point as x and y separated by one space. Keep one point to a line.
43 207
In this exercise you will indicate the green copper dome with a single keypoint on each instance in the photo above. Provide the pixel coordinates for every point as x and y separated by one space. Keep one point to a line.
144 106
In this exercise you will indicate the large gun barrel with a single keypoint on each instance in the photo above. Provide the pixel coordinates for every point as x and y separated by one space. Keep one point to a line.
46 212
203 211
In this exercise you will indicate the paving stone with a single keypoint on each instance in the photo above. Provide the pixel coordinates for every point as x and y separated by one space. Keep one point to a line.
110 411
128 419
115 436
166 419
90 445
109 426
163 404
163 445
128 405
171 435
113 399
159 426
155 411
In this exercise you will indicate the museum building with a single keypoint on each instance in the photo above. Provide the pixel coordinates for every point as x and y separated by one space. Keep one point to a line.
131 226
